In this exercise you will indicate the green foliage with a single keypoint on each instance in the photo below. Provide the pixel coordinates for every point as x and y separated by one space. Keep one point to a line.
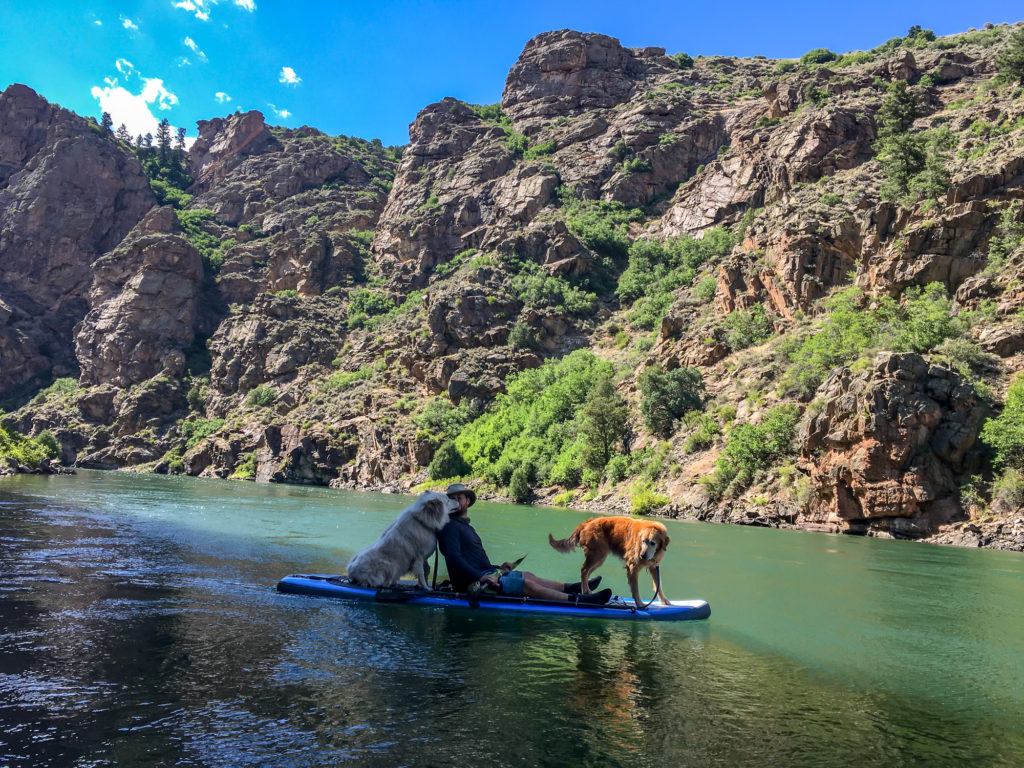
668 395
197 430
923 321
644 500
545 148
208 245
522 336
600 225
516 143
831 199
439 420
748 327
342 380
364 302
602 424
447 462
817 56
536 288
519 485
706 289
491 113
1007 238
246 468
753 447
1005 433
168 194
845 332
914 165
59 388
261 396
287 293
1011 60
685 61
26 450
657 268
854 58
704 435
535 424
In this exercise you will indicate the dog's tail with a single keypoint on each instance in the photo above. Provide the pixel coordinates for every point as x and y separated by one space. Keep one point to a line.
564 545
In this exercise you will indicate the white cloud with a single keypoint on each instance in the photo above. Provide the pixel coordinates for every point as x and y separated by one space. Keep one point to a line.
200 7
129 24
124 66
281 114
98 23
134 110
248 5
221 97
191 44
288 76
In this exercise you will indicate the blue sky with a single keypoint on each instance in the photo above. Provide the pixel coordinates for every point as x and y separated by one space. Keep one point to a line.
366 68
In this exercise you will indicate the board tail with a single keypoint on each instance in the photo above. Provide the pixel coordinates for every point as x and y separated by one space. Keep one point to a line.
564 545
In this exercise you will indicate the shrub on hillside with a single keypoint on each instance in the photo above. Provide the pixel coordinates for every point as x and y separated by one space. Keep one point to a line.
817 56
668 395
447 462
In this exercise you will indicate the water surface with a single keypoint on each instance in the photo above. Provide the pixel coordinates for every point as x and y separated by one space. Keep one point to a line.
139 626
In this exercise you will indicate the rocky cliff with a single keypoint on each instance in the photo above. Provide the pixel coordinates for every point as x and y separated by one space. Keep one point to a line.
294 315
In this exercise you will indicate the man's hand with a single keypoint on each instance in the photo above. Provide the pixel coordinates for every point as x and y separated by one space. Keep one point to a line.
508 567
490 578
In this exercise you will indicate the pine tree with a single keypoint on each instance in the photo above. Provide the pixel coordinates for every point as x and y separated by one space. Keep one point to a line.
163 139
181 139
1011 60
106 121
900 153
123 134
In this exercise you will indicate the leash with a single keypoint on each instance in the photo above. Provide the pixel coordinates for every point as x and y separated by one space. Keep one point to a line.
433 579
657 589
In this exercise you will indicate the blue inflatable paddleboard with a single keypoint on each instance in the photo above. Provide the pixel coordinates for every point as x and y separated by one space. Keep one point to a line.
322 585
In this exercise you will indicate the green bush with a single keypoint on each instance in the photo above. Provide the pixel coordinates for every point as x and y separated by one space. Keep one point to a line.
246 469
602 424
519 485
447 462
784 66
343 380
368 302
753 447
535 423
703 436
26 450
522 336
817 56
599 225
748 327
261 396
197 430
1005 433
684 60
668 396
442 420
545 148
1011 60
536 288
645 500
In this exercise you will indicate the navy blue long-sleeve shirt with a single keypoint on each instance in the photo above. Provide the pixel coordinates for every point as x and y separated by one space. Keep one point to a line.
463 553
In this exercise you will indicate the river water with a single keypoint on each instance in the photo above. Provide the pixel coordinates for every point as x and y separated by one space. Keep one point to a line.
139 626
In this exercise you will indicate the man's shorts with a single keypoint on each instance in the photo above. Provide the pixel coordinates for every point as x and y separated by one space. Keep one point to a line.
510 583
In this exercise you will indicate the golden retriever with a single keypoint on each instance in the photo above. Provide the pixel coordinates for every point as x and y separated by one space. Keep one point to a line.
639 543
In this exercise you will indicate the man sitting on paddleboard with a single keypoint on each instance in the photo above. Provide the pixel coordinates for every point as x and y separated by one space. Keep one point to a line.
468 563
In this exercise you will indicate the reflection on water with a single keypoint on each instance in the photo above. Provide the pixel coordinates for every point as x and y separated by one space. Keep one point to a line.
139 627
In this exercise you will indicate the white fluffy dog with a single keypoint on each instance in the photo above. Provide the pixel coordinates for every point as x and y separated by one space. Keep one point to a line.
405 544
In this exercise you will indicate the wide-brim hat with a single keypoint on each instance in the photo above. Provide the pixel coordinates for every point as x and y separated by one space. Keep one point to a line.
455 488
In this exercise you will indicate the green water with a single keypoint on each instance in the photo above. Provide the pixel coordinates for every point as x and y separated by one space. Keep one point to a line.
139 626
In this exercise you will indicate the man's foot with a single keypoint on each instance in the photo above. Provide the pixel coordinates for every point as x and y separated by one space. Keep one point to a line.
597 598
574 589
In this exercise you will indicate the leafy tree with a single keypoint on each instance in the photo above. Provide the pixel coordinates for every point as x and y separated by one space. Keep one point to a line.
753 447
667 396
684 60
447 462
602 423
519 485
1011 60
925 320
106 121
1005 433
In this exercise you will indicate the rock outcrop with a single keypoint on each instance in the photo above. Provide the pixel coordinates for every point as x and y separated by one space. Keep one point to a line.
68 193
886 446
